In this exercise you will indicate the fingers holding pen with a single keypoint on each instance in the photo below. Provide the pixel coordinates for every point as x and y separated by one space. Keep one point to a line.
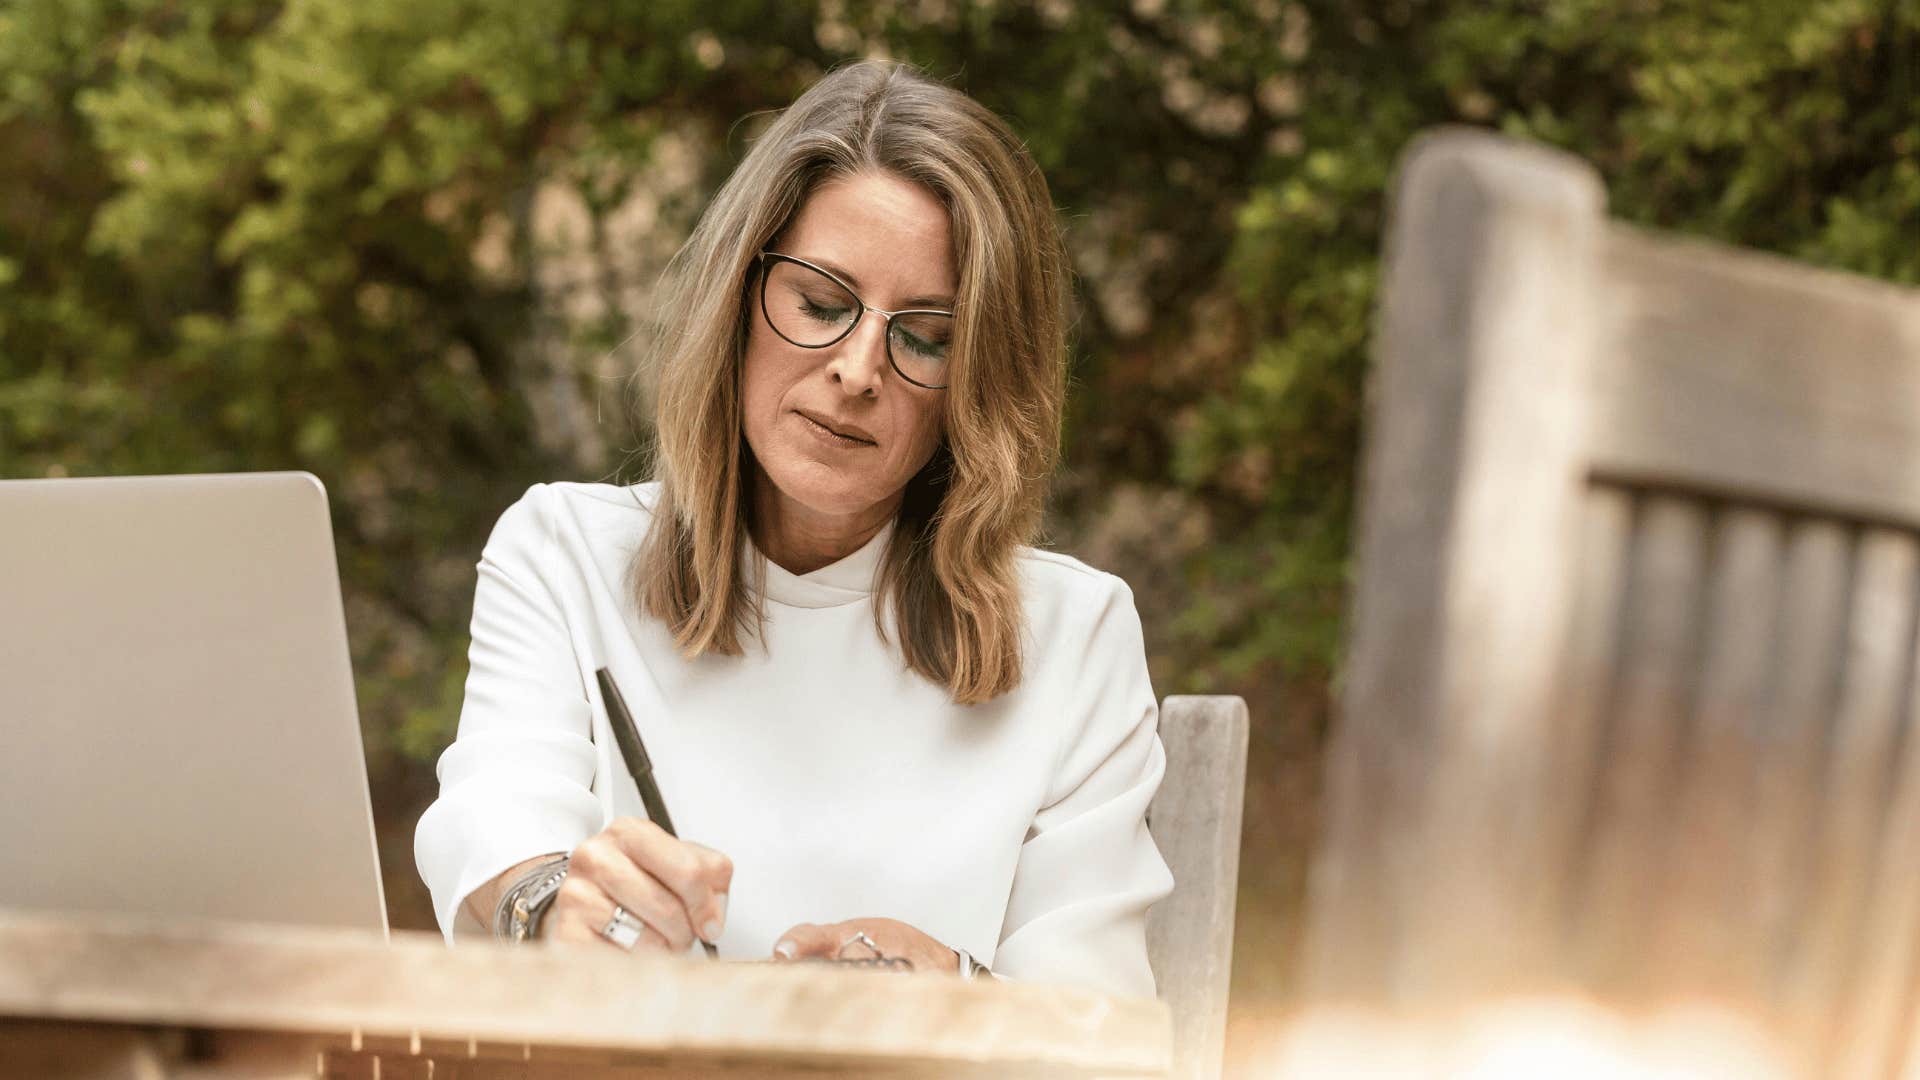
581 912
677 889
699 877
602 861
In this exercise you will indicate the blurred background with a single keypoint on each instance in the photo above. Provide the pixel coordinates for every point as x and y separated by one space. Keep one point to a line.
412 248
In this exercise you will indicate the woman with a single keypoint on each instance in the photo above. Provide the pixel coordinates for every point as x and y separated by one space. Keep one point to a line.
882 724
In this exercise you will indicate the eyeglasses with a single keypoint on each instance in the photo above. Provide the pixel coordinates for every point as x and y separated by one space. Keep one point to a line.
810 307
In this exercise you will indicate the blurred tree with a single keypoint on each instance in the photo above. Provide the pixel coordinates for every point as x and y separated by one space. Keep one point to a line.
395 245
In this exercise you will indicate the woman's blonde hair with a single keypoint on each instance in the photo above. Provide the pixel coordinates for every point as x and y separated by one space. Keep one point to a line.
949 577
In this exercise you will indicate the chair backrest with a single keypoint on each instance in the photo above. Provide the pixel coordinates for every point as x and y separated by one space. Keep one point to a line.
1630 696
1195 820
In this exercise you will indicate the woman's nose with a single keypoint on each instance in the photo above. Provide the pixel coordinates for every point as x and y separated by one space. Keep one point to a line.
859 361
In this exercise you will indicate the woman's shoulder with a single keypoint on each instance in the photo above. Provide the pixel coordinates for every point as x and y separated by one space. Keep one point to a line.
544 501
555 510
1081 622
1055 581
623 499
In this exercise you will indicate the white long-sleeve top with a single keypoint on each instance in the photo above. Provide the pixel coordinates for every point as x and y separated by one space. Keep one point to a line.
841 783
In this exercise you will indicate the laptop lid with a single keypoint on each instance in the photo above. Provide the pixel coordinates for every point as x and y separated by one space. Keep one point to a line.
178 733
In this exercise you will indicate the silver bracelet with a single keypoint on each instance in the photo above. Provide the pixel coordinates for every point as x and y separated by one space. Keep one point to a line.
514 917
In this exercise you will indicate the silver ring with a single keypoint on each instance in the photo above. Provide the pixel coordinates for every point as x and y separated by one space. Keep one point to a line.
860 938
623 929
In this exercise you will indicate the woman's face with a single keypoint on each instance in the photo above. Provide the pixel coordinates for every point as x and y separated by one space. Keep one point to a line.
837 430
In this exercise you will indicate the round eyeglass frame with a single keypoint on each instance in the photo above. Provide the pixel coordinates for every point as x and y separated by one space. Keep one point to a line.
860 310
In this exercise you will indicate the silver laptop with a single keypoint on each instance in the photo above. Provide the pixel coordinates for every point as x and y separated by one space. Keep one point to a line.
178 735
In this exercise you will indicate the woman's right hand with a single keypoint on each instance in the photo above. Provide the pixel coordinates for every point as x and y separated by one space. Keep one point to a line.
677 888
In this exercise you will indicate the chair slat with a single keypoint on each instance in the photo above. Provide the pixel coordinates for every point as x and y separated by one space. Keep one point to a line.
1806 669
1865 724
1639 760
1593 646
1879 1014
1705 931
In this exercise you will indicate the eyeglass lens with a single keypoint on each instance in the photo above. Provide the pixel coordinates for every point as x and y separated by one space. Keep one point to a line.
811 309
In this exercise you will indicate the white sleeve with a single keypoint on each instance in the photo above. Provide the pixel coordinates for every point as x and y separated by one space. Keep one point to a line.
517 781
1088 871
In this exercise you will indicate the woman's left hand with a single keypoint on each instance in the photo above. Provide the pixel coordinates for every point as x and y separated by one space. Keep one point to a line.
895 938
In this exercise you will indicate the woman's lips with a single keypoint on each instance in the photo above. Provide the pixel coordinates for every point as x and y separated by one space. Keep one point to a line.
826 432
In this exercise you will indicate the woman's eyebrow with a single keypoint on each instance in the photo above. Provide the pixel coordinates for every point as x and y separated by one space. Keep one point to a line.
841 272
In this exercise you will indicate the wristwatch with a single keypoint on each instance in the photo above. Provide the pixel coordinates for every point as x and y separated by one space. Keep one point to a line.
525 903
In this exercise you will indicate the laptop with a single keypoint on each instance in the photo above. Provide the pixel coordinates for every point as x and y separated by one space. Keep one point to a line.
178 734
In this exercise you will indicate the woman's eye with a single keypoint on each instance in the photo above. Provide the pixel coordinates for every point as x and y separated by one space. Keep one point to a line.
919 346
826 313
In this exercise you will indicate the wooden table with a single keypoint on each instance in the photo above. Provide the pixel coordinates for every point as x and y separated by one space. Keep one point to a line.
108 998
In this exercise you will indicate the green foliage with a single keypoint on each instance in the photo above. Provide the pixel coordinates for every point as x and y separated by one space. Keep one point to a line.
244 236
268 234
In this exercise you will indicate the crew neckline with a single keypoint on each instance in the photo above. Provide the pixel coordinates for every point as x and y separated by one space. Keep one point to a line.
846 581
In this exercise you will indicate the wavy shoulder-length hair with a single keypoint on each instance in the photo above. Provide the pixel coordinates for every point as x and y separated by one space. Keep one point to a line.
948 578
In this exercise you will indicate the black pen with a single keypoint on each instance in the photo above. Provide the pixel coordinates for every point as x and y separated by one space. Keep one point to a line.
627 734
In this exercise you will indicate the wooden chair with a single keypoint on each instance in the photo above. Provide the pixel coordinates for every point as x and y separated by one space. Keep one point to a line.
1195 820
1630 700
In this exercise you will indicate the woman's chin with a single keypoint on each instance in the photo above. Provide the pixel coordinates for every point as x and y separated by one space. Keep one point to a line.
829 495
